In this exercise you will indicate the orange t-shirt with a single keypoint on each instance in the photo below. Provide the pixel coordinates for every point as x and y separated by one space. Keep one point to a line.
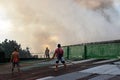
15 56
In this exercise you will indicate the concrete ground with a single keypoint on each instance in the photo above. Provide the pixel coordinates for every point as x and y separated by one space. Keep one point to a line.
91 69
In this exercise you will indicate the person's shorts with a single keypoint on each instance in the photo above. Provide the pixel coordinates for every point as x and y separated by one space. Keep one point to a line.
60 59
47 55
15 64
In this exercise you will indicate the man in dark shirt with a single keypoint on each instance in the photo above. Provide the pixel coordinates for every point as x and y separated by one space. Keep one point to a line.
47 53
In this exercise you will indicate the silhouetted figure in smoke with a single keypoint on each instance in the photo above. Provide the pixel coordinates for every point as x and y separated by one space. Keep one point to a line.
47 55
59 54
15 60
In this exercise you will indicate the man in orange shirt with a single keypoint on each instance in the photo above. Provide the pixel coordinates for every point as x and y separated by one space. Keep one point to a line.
15 59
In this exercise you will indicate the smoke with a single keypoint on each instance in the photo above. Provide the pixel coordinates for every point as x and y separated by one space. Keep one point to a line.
95 4
44 23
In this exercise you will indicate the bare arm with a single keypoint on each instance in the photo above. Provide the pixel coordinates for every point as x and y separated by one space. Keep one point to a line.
54 55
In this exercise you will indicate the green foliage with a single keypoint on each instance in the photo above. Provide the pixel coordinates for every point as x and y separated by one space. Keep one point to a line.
7 46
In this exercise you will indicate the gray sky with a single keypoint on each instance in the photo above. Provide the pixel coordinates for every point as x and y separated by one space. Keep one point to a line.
44 23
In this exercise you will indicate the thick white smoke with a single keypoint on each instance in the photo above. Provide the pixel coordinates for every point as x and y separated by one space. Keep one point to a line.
42 23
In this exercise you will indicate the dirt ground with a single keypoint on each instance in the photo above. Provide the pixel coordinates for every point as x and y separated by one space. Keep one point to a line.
44 71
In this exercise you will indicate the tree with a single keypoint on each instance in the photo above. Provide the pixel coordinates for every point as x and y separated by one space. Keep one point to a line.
8 46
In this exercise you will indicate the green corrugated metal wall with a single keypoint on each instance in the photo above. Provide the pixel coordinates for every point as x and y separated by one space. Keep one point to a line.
97 50
106 51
